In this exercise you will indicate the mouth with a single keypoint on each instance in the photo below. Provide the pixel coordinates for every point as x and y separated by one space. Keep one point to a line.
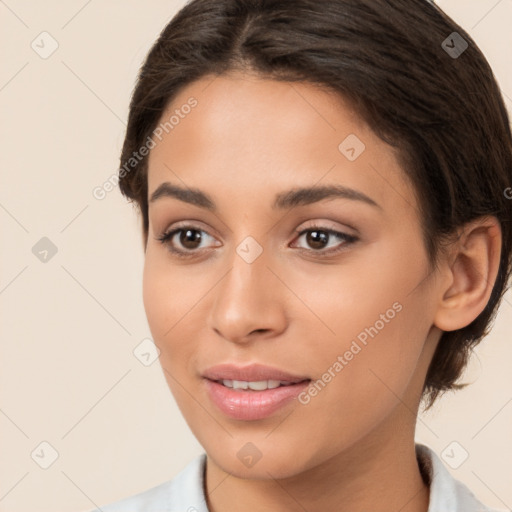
252 392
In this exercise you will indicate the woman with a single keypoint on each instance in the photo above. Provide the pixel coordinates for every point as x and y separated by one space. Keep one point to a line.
322 187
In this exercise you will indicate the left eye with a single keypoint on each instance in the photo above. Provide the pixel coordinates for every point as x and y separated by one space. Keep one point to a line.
319 238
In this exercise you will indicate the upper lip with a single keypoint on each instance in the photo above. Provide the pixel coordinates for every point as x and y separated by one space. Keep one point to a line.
250 373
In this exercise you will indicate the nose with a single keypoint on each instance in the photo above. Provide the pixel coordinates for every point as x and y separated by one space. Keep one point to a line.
249 302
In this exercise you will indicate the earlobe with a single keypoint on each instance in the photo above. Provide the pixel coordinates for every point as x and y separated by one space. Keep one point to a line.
472 270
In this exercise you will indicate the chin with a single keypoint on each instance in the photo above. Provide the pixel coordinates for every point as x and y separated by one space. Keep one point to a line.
258 460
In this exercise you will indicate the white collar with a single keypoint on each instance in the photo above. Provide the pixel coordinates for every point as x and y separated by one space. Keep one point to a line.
446 493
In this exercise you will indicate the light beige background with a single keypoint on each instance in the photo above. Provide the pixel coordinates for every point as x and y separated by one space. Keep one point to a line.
68 375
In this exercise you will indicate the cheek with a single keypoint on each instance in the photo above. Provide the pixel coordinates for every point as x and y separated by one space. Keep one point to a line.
373 315
167 302
363 293
361 375
167 294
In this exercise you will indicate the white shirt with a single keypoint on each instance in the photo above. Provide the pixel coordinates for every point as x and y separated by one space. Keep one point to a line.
184 493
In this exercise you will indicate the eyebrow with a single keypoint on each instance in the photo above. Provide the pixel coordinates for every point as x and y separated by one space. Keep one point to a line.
284 200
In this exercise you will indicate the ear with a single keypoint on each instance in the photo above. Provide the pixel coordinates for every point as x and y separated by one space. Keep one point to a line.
469 270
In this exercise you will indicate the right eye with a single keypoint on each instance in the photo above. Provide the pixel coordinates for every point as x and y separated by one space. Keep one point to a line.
189 238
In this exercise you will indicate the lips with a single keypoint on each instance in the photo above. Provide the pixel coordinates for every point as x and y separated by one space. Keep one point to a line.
252 392
251 373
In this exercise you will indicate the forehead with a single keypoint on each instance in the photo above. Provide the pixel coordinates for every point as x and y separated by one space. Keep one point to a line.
252 134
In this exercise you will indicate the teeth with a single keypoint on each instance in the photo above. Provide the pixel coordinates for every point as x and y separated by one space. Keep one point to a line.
260 385
240 384
264 384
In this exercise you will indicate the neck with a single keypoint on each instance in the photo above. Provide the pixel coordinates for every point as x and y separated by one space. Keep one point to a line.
378 473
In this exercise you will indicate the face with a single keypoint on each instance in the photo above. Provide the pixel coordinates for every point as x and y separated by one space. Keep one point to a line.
283 233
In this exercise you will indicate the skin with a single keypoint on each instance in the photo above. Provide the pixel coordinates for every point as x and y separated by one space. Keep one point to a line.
352 446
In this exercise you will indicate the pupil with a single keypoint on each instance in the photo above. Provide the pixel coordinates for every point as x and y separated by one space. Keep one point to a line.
317 239
190 236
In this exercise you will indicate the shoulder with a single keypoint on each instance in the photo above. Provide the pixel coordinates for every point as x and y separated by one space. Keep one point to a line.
184 493
446 492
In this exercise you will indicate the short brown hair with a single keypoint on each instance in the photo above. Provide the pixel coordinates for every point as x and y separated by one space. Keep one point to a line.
441 109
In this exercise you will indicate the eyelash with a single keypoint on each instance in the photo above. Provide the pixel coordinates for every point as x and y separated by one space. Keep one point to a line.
347 239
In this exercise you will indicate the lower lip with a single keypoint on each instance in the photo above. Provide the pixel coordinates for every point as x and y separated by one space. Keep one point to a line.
252 405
